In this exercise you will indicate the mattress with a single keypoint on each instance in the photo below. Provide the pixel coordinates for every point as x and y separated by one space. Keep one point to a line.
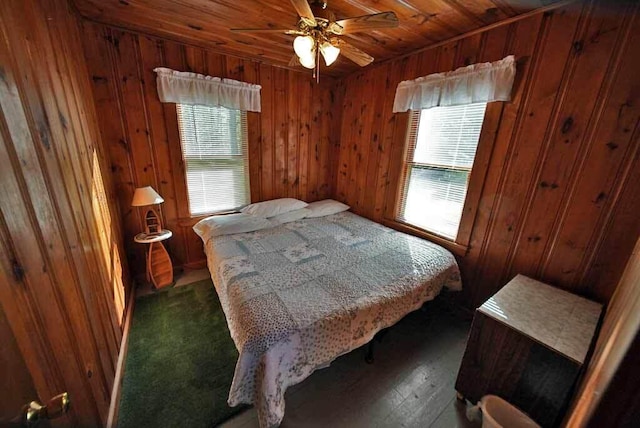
298 295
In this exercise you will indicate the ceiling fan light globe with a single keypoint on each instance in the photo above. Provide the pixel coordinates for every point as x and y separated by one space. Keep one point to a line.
308 60
329 53
303 46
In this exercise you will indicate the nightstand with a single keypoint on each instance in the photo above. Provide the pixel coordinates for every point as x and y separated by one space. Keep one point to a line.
528 344
159 267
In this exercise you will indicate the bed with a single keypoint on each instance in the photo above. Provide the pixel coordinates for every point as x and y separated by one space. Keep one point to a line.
298 295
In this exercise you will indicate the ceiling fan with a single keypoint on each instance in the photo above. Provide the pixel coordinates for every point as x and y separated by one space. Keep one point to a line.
320 36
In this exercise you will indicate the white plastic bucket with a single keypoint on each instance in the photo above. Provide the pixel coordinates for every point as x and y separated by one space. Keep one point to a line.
498 413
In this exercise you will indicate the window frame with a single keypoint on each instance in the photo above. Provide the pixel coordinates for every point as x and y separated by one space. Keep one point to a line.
183 161
477 177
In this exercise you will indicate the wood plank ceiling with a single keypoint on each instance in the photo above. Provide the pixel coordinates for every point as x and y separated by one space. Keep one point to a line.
207 23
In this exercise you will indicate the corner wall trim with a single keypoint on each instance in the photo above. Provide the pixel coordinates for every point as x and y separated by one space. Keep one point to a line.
114 405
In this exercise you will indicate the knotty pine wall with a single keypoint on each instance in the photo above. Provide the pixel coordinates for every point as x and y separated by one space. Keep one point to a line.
560 201
62 277
290 141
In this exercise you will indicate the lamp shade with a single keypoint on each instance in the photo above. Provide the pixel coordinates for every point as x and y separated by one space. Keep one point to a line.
329 53
308 60
303 46
146 196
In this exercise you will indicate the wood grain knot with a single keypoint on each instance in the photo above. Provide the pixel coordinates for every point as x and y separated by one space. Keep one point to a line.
578 46
601 196
567 125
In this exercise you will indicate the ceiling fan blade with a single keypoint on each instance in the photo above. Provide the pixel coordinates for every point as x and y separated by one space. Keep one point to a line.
304 10
366 22
266 30
354 54
294 62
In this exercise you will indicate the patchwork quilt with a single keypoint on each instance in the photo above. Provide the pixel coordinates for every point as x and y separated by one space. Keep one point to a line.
298 295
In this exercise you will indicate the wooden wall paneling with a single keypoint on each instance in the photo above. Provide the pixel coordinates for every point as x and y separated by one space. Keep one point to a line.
59 277
357 140
317 121
99 226
572 63
367 110
281 128
517 166
106 98
305 92
393 76
252 75
105 222
61 281
150 51
194 60
267 132
105 231
385 178
172 56
470 50
23 314
79 185
343 151
569 136
293 133
149 152
597 186
492 46
368 193
605 261
336 94
216 64
329 134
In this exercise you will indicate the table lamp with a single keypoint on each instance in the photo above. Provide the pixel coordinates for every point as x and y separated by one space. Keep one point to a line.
147 196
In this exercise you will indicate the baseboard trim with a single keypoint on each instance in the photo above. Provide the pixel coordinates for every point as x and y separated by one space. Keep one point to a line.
114 405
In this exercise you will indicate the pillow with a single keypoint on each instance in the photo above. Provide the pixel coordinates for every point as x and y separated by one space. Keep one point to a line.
326 207
290 216
218 225
273 207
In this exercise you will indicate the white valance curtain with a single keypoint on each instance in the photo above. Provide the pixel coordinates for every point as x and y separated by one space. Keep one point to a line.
486 82
192 88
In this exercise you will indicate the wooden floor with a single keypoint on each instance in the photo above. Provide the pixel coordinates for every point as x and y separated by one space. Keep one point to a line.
410 383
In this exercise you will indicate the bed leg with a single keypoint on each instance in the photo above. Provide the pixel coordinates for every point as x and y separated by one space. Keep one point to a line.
381 334
368 353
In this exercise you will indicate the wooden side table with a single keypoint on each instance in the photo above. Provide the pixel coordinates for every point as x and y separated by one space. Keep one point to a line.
528 344
159 267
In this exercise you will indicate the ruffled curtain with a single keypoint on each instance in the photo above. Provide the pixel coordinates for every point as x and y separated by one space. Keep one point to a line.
192 88
486 82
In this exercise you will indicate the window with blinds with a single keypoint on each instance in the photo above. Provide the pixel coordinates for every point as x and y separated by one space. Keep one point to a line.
215 153
442 147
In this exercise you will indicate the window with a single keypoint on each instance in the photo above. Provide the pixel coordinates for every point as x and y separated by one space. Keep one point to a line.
215 153
442 147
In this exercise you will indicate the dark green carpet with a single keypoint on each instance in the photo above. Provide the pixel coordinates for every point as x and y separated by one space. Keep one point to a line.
180 361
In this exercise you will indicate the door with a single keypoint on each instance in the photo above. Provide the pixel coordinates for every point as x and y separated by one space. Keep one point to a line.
16 385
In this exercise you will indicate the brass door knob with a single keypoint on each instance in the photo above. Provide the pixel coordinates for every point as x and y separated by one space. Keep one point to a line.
56 407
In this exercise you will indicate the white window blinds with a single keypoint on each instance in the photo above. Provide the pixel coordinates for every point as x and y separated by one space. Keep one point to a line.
442 147
215 153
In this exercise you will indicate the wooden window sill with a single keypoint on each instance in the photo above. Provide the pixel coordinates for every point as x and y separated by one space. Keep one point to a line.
456 248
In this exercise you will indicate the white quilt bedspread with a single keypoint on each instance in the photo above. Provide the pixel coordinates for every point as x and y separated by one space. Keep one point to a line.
298 295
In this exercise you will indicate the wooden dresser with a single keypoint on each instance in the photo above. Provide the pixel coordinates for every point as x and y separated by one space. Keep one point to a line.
527 345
